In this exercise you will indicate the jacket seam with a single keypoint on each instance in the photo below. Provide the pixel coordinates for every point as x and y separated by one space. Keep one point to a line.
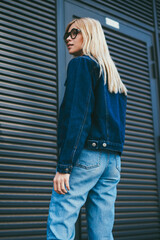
106 112
78 137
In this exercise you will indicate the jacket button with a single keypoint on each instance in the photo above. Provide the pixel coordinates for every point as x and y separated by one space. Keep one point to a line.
93 144
104 144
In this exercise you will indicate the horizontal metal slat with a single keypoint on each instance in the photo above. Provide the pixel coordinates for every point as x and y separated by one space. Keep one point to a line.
34 58
129 53
140 150
123 41
29 138
130 64
25 197
32 155
131 102
25 182
20 190
143 115
29 122
142 130
138 140
28 162
140 145
142 125
127 10
31 46
18 108
15 100
28 46
37 237
21 232
138 167
138 119
21 218
22 59
134 181
25 204
133 79
25 169
30 14
41 132
26 115
20 14
28 33
18 22
31 70
28 89
32 7
22 225
133 70
140 109
142 234
31 97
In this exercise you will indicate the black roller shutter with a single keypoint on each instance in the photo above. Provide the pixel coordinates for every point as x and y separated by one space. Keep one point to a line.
137 209
28 95
140 11
158 13
158 19
137 203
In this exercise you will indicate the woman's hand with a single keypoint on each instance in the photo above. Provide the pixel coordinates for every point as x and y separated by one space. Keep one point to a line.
60 181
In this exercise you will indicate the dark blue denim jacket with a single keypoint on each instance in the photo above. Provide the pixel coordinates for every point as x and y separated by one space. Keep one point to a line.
90 116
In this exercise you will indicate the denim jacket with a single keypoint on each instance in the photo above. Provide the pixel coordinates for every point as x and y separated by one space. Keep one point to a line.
90 116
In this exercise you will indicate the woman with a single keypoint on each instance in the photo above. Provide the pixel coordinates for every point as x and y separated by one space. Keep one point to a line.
91 130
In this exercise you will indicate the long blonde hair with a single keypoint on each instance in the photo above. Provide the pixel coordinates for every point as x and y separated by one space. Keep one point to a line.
95 46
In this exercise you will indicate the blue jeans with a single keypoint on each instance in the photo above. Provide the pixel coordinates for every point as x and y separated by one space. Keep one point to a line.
93 181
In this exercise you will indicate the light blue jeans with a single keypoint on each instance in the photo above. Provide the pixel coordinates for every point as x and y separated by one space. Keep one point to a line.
93 181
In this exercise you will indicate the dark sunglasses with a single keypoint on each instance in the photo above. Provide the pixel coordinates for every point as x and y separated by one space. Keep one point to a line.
73 33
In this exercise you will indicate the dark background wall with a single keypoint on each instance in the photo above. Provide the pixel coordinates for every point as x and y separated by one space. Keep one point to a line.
32 67
29 103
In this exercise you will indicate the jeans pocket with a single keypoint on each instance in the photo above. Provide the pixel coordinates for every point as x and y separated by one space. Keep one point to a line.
88 159
118 162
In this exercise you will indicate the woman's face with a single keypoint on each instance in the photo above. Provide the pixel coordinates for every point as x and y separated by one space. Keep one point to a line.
74 45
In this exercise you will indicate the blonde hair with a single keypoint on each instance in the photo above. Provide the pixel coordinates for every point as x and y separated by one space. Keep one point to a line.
95 46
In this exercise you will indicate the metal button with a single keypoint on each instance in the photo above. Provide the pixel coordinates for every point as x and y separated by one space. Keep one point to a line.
93 144
104 144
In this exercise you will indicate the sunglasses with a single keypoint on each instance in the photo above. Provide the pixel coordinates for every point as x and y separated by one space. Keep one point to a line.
73 33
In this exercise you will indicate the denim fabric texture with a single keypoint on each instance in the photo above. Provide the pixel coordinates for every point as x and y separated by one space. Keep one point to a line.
93 181
90 116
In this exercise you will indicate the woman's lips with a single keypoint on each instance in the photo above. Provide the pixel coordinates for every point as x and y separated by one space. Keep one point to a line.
69 45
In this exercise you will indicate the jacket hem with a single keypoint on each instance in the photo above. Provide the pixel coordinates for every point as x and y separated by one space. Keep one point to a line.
103 145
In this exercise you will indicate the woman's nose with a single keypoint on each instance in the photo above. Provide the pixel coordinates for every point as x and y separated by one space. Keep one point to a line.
68 38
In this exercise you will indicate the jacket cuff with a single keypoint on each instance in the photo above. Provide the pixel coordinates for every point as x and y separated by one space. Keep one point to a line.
64 168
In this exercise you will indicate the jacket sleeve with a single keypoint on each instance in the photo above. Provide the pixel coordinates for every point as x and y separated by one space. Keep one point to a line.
75 112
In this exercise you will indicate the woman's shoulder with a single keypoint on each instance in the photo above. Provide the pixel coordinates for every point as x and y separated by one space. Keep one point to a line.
84 59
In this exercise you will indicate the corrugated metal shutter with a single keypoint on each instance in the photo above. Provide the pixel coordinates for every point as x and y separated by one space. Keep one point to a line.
28 116
158 13
137 210
158 18
137 10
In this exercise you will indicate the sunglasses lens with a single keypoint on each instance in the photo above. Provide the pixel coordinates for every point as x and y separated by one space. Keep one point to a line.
73 33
